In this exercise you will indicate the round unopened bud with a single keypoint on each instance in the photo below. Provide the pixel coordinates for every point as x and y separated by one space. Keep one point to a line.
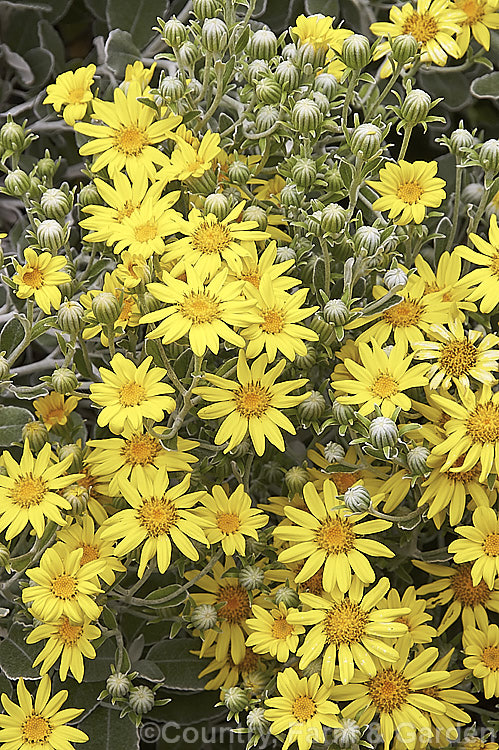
313 407
12 136
459 139
324 330
36 434
334 452
214 35
148 303
383 432
4 368
17 183
395 277
271 472
251 577
263 45
322 102
106 308
235 699
348 735
488 156
172 88
326 83
35 188
256 721
404 47
241 449
334 218
70 317
266 117
287 596
77 497
336 312
304 172
205 184
313 222
141 699
257 69
64 380
309 57
258 214
238 173
284 253
291 196
187 55
342 413
89 196
368 238
174 32
334 179
204 617
76 453
47 167
51 235
287 75
289 52
296 478
56 204
118 685
473 193
217 204
356 51
357 499
205 8
416 460
306 115
268 91
416 106
366 140
306 361
4 555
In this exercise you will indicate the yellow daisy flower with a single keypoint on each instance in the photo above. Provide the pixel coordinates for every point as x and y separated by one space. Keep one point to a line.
159 516
481 544
482 656
208 242
273 632
252 404
143 232
129 313
132 271
276 329
349 630
445 282
480 17
229 518
395 694
333 538
137 72
432 23
54 409
117 458
39 278
130 394
40 726
485 279
229 674
69 642
127 136
407 189
456 591
318 31
205 310
188 160
71 90
255 267
302 709
416 619
381 379
31 490
82 534
63 587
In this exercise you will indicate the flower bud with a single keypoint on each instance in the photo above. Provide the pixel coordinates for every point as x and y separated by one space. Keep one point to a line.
473 193
106 308
357 499
56 203
238 173
342 413
171 88
214 36
76 453
289 52
284 253
334 452
326 83
308 55
356 51
4 368
4 556
304 173
51 235
217 204
287 596
174 32
366 140
290 196
258 214
395 277
148 303
488 156
287 75
257 69
70 317
251 577
204 617
205 184
205 8
141 699
77 496
383 432
17 183
306 361
348 735
313 222
404 47
89 196
256 721
64 380
322 102
306 115
187 55
336 312
296 478
368 238
36 434
266 118
12 136
118 685
271 472
47 167
235 699
263 45
35 188
334 179
268 91
323 329
334 218
313 407
460 139
416 460
416 106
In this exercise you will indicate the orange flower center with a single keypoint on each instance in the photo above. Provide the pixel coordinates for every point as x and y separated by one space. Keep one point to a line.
406 313
388 690
36 730
67 633
141 450
28 491
236 607
211 238
200 307
464 591
131 394
90 552
126 210
345 622
473 9
273 320
281 629
491 545
343 480
422 26
303 708
75 96
490 657
64 587
146 232
252 400
336 536
384 385
131 140
463 477
157 516
482 425
33 278
409 192
253 277
314 584
457 357
228 523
